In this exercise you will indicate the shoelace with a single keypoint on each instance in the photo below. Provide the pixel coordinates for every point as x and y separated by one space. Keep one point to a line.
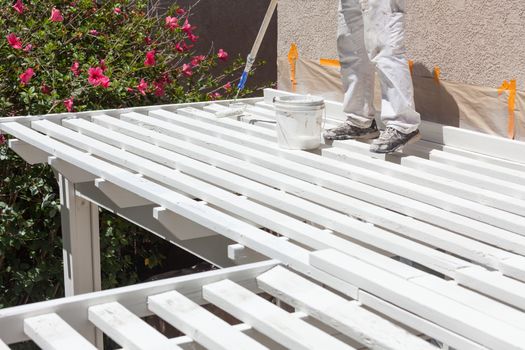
388 133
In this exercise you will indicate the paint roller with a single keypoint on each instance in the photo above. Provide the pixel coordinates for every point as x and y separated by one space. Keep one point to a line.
237 109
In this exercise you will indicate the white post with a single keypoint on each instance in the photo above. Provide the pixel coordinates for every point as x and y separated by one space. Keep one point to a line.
81 247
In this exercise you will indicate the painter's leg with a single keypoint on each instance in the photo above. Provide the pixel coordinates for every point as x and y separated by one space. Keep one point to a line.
357 74
384 37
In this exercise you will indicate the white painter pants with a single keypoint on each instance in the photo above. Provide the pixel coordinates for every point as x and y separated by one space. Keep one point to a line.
371 36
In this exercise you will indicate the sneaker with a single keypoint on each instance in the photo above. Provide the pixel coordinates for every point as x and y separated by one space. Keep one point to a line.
392 140
347 131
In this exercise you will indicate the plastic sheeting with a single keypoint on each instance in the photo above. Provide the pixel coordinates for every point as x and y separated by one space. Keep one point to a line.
472 107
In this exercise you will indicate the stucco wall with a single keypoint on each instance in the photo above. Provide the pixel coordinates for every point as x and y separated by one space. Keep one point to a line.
479 42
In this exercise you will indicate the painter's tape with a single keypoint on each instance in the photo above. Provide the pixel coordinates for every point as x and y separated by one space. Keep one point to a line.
437 75
293 56
411 67
511 87
326 62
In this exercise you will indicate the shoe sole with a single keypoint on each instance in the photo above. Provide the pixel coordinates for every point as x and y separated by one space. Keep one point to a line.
412 140
370 136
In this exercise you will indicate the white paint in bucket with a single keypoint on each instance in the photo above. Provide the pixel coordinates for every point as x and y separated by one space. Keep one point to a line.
299 121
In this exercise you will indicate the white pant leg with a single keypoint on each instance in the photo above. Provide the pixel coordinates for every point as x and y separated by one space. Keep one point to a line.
357 70
384 40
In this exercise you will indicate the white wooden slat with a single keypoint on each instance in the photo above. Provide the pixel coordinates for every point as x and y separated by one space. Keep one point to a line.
243 233
452 315
3 346
363 148
50 332
331 120
275 198
127 329
430 234
498 172
465 191
484 158
465 176
468 140
451 221
348 317
268 318
451 339
198 323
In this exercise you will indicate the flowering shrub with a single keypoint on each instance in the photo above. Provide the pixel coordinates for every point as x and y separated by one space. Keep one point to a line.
59 56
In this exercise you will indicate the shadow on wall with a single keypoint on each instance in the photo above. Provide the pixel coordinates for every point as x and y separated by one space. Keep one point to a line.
233 26
432 99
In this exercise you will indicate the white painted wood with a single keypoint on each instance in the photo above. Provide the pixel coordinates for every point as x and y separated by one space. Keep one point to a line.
430 305
3 346
434 331
363 148
50 332
346 316
126 328
465 191
121 197
242 255
70 172
466 176
181 227
266 217
495 171
272 197
468 140
74 309
27 152
199 324
268 318
484 158
493 283
294 256
235 146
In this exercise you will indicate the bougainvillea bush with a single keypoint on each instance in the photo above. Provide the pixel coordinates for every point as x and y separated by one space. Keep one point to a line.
58 56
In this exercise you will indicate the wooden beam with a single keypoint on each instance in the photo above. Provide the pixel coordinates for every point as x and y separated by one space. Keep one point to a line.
30 154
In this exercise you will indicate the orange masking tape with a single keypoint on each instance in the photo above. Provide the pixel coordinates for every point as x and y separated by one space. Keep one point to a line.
511 87
329 62
437 74
293 56
411 66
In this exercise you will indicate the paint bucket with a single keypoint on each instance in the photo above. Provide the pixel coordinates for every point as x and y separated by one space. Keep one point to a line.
299 121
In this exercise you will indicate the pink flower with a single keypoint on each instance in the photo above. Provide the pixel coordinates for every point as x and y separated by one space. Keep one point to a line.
19 6
159 88
223 55
130 90
215 95
75 68
117 10
93 32
195 61
2 139
172 22
14 41
46 90
69 104
227 86
186 70
150 58
28 48
181 11
56 16
96 77
102 65
142 87
148 40
182 46
193 37
26 76
187 27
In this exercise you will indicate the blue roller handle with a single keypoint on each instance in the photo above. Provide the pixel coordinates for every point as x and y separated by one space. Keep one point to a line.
242 82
